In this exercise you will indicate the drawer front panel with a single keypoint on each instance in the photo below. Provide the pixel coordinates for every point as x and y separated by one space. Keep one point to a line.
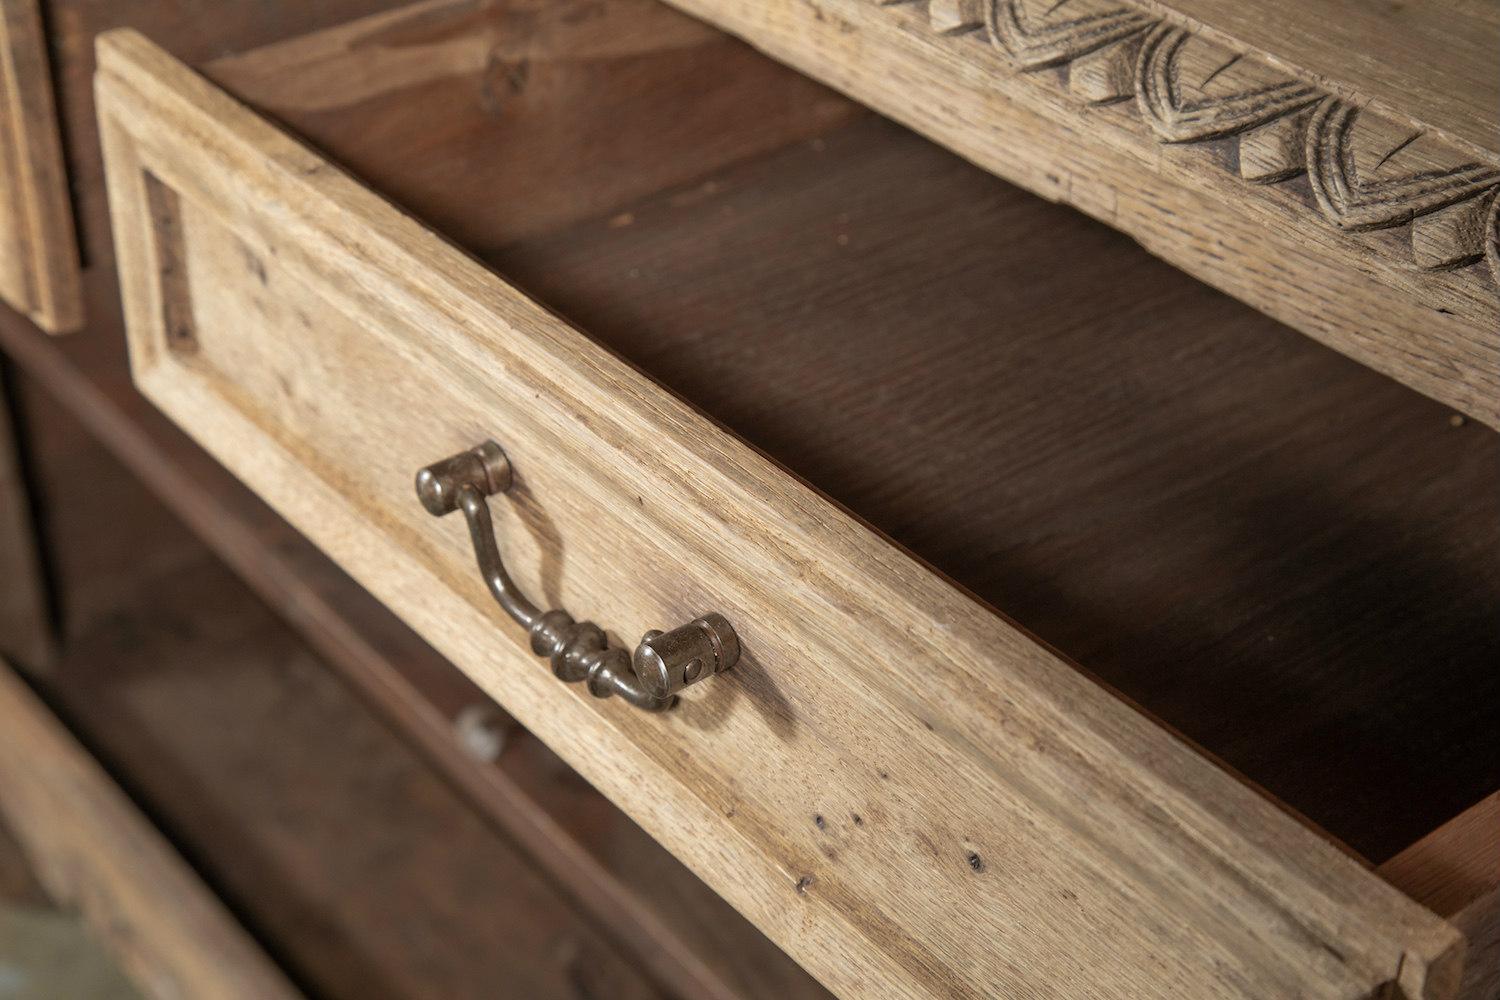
39 269
903 790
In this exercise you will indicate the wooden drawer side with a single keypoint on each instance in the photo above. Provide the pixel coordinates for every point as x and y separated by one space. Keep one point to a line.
39 265
902 789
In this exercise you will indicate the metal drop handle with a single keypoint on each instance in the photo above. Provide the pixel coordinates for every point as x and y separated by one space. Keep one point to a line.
664 663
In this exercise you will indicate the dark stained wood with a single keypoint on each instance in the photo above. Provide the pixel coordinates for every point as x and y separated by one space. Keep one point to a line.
632 891
194 30
25 619
1294 561
487 118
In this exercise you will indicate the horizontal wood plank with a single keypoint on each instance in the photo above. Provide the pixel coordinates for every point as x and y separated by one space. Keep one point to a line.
495 112
1434 61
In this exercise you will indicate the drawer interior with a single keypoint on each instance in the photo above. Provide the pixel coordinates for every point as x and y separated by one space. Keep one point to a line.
1289 558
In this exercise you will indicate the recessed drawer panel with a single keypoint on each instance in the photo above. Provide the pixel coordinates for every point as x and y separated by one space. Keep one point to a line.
906 791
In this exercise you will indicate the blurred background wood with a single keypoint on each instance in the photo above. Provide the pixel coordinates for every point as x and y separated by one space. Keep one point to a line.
18 884
39 264
93 851
49 955
26 635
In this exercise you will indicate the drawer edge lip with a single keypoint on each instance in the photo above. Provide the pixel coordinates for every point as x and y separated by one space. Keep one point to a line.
467 303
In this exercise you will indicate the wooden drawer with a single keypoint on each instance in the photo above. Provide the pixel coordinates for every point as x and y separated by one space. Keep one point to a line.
39 269
1334 165
908 791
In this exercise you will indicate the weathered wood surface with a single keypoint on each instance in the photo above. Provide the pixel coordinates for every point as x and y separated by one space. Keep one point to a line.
91 849
39 266
1455 871
907 832
627 887
1332 163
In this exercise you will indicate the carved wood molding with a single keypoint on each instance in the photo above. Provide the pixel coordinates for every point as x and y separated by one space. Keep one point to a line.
1366 170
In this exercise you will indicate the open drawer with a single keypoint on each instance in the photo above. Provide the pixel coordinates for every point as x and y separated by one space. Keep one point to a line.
817 368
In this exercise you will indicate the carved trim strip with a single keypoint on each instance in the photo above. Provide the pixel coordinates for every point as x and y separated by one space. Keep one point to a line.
1160 91
1353 201
1366 171
1039 41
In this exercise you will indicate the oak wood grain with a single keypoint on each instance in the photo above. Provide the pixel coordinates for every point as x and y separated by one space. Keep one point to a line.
1342 215
1432 62
979 779
39 266
92 850
488 117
